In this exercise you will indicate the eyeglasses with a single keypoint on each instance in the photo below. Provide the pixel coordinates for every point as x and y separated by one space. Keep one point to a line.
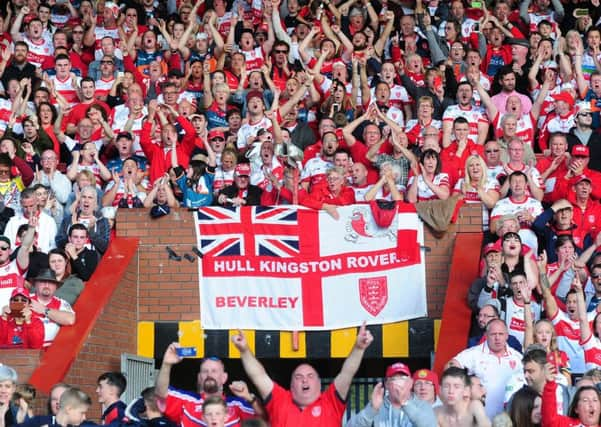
280 51
585 114
4 248
492 151
107 62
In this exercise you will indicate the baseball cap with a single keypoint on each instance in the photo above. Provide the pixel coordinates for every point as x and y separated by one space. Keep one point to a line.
215 134
202 36
20 291
5 240
580 151
158 211
396 369
8 374
492 247
253 94
584 107
427 375
580 178
263 28
518 41
564 96
242 169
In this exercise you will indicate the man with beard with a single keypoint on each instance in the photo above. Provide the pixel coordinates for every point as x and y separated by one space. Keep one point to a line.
314 172
185 408
18 66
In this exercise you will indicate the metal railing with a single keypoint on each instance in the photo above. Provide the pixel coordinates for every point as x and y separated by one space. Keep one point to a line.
359 394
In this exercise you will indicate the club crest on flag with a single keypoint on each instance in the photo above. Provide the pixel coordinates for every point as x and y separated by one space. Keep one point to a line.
361 225
373 292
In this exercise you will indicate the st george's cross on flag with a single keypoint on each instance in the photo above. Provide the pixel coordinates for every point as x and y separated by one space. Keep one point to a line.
291 268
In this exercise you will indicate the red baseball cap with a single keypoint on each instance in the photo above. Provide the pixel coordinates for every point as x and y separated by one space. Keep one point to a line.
581 178
427 375
396 369
564 96
242 169
215 134
254 94
20 291
492 247
580 151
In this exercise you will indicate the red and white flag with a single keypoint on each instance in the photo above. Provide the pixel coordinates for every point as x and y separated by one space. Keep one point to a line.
289 268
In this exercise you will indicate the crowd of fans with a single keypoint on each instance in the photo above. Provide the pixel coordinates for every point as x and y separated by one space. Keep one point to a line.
321 103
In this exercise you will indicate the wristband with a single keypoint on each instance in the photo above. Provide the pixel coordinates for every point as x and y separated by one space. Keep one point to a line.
46 311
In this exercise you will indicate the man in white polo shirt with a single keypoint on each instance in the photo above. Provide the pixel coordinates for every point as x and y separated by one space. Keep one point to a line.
494 362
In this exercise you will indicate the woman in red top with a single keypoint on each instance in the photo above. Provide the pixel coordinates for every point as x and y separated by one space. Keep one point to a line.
18 328
584 411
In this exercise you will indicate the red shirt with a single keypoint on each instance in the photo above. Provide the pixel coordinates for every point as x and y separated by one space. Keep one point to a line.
326 411
21 336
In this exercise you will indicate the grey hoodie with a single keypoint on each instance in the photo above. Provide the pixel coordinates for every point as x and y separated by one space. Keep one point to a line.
416 413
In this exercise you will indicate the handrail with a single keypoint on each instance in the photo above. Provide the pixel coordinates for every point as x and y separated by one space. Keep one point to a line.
56 361
456 314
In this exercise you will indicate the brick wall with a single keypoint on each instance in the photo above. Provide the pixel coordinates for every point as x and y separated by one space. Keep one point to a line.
114 333
168 290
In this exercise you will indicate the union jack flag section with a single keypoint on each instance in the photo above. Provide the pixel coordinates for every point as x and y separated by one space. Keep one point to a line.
290 268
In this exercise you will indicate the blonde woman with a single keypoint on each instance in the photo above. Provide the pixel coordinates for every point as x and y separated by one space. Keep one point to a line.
476 187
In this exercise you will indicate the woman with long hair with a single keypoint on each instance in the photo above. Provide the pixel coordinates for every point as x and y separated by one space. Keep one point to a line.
526 408
72 286
428 182
476 187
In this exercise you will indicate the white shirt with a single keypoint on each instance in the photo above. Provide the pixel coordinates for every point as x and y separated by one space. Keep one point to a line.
493 371
46 231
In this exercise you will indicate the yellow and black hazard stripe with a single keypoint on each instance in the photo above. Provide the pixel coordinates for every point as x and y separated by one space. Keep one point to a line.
413 338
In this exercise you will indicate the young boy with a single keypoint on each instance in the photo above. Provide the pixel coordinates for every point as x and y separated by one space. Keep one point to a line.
214 412
73 406
111 386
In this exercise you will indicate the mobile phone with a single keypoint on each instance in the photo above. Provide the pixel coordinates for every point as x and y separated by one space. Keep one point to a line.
336 107
186 351
476 5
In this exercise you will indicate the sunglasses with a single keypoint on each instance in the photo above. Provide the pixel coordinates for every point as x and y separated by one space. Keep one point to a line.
280 51
19 299
218 139
106 62
584 114
595 276
4 248
492 151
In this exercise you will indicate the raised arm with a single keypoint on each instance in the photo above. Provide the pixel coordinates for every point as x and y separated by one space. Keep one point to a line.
170 358
14 29
343 380
585 327
550 303
253 368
